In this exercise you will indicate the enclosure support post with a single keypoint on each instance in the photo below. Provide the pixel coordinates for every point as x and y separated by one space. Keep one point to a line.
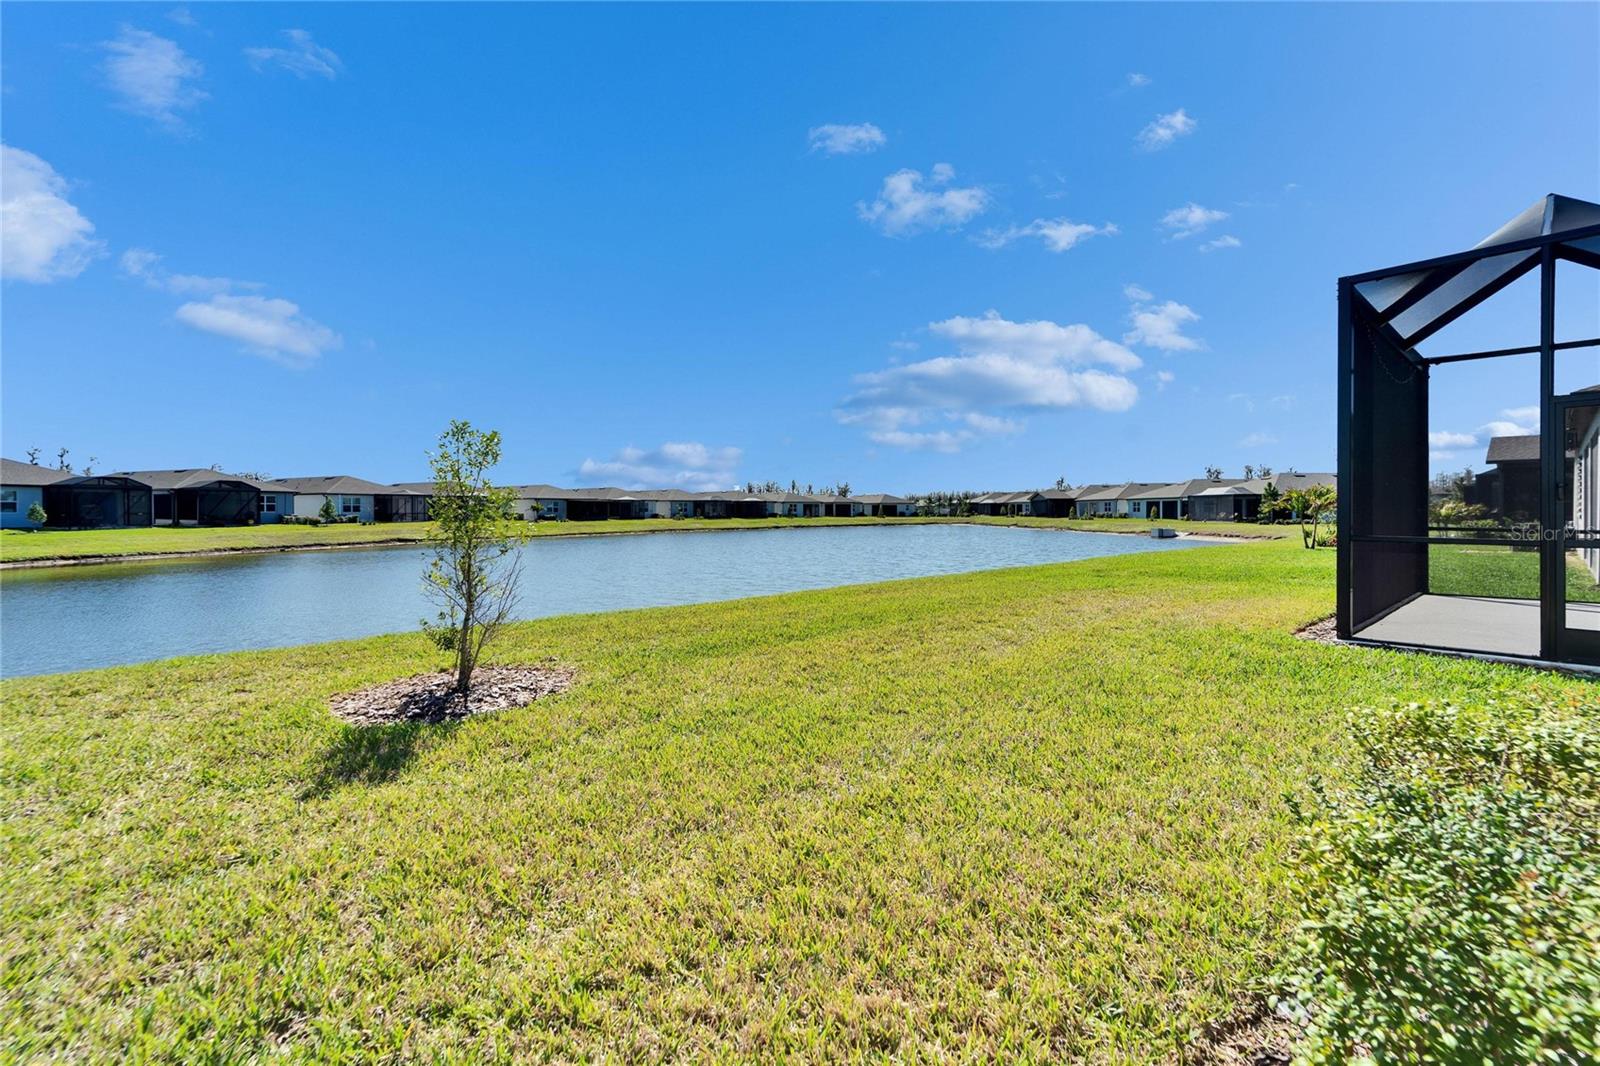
1552 463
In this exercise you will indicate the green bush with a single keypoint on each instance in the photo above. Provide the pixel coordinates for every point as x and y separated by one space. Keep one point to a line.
1450 889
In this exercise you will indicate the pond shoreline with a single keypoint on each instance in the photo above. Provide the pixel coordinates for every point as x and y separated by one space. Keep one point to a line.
391 542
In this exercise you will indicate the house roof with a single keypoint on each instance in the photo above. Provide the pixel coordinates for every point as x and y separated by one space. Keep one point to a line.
1427 300
191 478
21 475
1059 494
342 484
1098 492
878 498
1519 449
1286 482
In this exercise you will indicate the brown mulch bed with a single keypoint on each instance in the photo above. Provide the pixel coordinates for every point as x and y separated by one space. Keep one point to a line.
1323 631
433 697
1253 1037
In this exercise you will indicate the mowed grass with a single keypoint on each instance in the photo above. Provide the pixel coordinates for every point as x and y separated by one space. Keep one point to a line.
1024 814
17 546
1493 570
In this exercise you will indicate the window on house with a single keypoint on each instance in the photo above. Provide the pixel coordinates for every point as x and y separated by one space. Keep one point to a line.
8 501
349 504
269 504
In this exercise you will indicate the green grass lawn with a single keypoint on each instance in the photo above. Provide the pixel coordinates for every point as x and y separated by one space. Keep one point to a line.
1491 570
1021 814
18 546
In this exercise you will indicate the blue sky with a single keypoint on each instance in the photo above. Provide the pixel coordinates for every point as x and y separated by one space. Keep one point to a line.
908 247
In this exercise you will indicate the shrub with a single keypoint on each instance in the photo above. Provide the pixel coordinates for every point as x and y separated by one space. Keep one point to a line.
1450 889
36 513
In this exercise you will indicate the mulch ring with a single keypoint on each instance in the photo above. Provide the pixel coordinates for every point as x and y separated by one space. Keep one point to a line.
1323 631
433 697
1254 1036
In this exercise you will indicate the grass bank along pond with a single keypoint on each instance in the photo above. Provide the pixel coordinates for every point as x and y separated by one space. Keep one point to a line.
80 617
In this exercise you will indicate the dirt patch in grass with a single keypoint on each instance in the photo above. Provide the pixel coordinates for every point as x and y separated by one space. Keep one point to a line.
433 697
1253 1037
1323 631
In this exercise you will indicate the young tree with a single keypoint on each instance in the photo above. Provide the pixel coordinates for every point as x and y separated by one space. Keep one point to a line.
1249 471
1263 470
1062 484
1313 505
475 569
843 489
88 468
1271 503
61 461
327 512
1213 473
36 513
33 456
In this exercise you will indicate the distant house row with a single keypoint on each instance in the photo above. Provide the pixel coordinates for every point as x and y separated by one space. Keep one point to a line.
1200 499
194 497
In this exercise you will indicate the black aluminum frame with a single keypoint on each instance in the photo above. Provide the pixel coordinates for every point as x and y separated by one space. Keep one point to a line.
1355 313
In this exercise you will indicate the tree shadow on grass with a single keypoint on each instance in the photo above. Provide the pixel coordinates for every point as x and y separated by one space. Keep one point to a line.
370 755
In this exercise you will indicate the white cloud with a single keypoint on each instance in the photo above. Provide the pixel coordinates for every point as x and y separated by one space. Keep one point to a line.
1258 439
1499 428
687 465
1138 81
1040 341
1227 240
1190 219
946 402
43 237
1447 439
904 346
1165 129
182 17
274 328
1159 325
1058 234
304 57
1164 378
836 139
1283 403
145 265
152 75
906 205
1529 414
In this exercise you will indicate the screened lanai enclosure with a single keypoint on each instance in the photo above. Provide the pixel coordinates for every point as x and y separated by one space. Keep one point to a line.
1469 468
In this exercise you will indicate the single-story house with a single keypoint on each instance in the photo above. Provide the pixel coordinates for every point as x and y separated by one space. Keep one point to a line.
1004 503
1511 489
1096 501
1126 500
836 506
1055 503
195 496
352 497
879 504
781 505
21 486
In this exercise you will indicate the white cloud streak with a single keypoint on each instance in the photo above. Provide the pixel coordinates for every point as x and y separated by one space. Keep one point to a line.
687 465
1057 234
907 205
1227 240
152 76
269 327
43 237
1159 325
946 402
304 57
1164 129
1190 219
145 265
837 139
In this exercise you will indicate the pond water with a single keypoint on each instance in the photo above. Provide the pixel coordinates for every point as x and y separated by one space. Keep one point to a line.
77 617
